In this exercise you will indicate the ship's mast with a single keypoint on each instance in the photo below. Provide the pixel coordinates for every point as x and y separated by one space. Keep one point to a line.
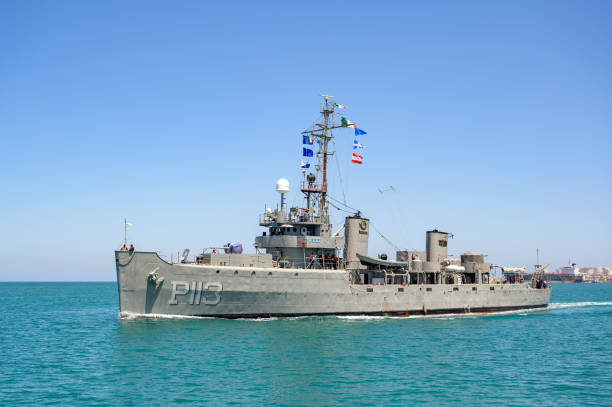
322 132
327 112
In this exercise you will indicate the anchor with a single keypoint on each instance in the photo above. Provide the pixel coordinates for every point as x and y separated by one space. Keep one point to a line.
155 278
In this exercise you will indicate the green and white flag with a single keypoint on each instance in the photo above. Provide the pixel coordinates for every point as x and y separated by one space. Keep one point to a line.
347 123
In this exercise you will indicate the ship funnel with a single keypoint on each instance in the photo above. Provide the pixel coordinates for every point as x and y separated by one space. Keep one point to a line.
356 233
282 187
436 246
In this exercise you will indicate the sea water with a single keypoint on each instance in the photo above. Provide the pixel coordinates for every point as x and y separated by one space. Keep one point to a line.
64 343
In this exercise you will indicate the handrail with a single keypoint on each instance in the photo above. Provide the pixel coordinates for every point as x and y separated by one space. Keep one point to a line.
312 264
310 186
266 218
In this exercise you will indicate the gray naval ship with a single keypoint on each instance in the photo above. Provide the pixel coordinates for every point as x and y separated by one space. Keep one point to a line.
303 267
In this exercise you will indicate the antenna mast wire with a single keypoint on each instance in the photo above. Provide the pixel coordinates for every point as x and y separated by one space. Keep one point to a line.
339 172
386 239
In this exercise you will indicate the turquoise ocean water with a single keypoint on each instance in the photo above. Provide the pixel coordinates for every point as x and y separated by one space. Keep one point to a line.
63 343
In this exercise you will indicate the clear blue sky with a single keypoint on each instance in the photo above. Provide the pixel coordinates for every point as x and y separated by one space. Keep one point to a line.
493 120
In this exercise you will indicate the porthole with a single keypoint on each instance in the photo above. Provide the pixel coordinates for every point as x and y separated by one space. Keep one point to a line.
236 272
252 273
217 271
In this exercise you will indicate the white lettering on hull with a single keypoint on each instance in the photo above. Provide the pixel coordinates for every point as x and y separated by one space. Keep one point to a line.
196 288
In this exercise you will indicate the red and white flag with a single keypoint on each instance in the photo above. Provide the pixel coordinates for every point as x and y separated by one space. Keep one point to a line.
357 159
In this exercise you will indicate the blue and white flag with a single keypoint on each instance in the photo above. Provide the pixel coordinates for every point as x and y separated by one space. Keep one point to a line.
306 152
359 132
304 165
357 144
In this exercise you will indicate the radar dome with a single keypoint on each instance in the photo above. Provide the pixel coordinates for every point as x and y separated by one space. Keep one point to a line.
282 186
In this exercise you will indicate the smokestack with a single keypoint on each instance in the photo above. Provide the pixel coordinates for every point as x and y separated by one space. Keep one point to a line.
356 234
436 246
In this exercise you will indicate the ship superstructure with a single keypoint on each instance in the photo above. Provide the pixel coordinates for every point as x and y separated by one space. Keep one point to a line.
302 237
304 267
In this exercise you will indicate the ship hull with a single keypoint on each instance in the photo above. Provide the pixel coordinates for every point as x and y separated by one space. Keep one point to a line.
557 278
149 285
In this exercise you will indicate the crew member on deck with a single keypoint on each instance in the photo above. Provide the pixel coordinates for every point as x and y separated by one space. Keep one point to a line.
132 248
312 259
124 248
335 262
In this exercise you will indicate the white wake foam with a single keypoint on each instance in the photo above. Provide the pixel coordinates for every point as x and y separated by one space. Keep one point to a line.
558 305
554 305
263 319
134 315
445 316
361 317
